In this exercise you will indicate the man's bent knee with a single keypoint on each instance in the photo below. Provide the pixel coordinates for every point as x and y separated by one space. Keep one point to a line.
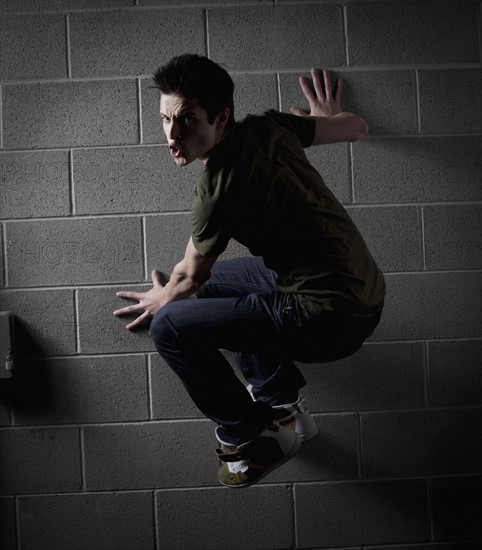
162 330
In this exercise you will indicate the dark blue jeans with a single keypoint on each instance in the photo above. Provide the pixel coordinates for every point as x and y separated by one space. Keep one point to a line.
239 309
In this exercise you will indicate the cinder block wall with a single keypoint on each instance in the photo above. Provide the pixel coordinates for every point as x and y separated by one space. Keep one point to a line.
99 447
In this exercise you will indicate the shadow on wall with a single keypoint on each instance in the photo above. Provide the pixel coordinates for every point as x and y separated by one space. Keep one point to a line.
417 168
29 389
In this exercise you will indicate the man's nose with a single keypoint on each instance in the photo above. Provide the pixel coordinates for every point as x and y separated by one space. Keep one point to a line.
174 130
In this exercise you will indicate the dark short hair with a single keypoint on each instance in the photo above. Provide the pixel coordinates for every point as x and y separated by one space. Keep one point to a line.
196 77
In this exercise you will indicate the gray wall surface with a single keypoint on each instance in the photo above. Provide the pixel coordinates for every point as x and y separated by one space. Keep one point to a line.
100 449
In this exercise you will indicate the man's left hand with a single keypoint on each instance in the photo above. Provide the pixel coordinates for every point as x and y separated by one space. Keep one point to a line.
150 302
321 102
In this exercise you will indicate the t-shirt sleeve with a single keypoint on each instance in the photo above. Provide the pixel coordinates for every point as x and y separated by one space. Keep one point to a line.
303 126
210 234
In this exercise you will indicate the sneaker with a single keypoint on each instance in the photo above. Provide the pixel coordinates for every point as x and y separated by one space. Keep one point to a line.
246 464
295 416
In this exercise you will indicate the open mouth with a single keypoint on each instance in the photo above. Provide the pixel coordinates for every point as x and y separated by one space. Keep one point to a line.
176 152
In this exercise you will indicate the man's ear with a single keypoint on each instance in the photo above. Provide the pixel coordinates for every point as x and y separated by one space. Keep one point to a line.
222 118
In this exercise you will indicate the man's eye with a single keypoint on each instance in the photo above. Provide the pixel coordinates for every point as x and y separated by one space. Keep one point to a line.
188 120
164 119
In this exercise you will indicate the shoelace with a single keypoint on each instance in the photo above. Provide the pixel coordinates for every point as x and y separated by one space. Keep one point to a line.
234 466
239 466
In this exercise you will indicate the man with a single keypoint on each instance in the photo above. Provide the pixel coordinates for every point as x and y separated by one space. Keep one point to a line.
311 292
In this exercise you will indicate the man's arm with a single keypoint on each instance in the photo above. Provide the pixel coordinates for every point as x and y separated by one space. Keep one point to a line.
333 125
187 276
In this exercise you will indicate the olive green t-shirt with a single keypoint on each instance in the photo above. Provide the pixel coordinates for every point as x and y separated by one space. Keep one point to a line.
259 188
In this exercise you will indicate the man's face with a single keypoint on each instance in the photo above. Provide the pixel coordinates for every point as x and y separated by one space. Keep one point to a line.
189 134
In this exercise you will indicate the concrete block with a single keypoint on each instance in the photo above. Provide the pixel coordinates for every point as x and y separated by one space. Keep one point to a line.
169 397
437 441
132 42
70 114
38 7
43 323
34 184
194 2
68 252
32 47
111 521
7 523
39 460
455 376
262 37
102 332
428 546
375 512
386 99
166 240
450 100
457 507
5 401
254 94
424 32
377 377
332 162
152 131
331 455
453 236
418 169
393 236
2 261
131 179
82 389
257 511
149 455
431 306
